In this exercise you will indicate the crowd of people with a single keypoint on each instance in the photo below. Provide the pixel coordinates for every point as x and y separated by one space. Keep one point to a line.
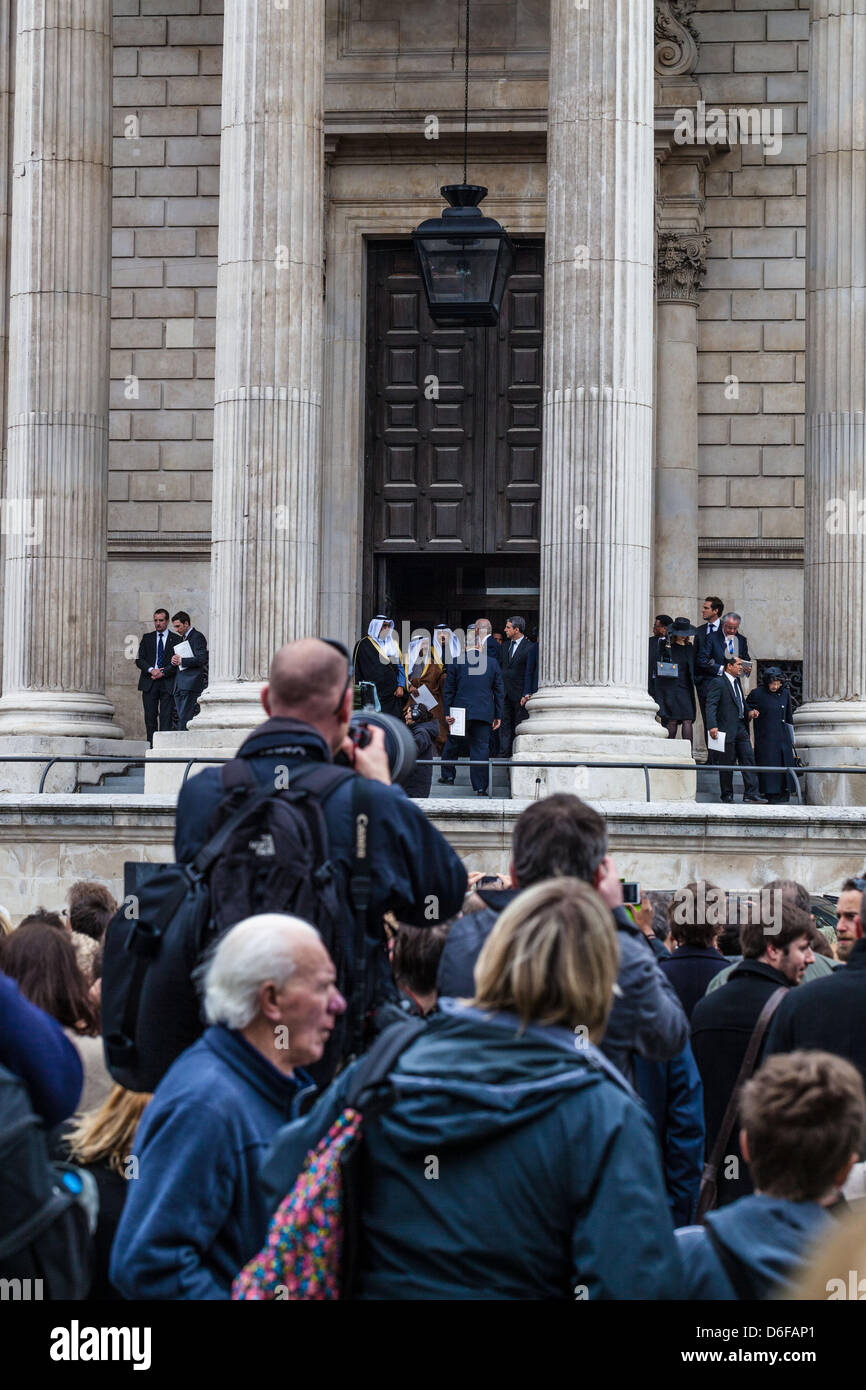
561 1097
704 665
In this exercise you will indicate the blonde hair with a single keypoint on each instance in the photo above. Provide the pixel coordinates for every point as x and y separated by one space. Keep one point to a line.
552 957
6 927
107 1134
827 1270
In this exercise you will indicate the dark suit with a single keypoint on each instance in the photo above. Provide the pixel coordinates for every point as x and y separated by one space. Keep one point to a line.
723 713
530 683
709 656
157 696
190 677
478 690
514 660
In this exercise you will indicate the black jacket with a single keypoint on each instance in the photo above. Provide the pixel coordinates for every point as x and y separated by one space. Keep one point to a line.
828 1014
514 667
146 660
723 712
477 689
722 1024
192 672
690 970
709 654
415 872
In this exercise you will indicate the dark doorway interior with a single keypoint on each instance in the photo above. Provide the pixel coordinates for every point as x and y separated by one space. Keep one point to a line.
453 449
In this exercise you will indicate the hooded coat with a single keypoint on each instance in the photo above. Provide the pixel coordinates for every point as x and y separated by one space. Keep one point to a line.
760 1243
512 1165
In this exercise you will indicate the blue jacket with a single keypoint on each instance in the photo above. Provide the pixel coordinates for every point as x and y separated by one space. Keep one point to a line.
196 1212
415 872
35 1047
763 1242
512 1166
477 689
673 1094
690 970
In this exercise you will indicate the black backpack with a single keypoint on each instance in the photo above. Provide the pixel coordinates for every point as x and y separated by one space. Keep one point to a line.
48 1210
268 851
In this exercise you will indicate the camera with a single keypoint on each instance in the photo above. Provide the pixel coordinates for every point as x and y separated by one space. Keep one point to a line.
399 743
630 893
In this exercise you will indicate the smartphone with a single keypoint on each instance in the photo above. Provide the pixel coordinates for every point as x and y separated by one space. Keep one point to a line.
630 893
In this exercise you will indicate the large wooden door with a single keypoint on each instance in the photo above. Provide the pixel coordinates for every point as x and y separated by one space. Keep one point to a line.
453 419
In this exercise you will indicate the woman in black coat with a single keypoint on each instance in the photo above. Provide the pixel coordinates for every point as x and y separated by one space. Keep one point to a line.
675 692
773 740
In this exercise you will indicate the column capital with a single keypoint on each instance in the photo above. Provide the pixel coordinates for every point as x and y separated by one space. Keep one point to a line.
681 263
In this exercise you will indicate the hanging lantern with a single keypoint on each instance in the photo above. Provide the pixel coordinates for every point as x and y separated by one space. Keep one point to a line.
465 259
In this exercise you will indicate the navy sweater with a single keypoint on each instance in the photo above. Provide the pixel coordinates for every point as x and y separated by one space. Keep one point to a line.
196 1213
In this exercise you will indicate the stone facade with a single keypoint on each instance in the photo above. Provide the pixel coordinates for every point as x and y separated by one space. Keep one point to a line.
730 325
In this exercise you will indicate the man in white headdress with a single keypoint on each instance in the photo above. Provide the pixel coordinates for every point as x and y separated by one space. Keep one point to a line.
377 658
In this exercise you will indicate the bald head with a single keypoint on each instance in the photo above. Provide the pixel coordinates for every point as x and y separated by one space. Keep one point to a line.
306 680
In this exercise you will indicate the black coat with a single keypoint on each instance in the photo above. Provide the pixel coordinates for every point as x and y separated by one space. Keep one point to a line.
514 667
420 779
690 970
723 712
477 689
387 676
772 741
675 695
709 655
146 660
722 1024
192 672
827 1014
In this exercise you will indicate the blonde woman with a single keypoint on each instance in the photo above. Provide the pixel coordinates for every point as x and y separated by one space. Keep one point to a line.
102 1143
515 1162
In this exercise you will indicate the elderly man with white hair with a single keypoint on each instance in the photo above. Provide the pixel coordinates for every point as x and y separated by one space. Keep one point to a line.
195 1212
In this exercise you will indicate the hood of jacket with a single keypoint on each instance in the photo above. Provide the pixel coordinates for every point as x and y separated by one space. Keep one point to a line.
288 738
473 1075
766 1238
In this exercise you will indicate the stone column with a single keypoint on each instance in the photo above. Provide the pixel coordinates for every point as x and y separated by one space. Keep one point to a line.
598 370
681 262
59 319
831 723
268 388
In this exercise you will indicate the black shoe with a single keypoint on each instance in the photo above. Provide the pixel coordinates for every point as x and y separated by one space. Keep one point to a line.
446 781
761 799
728 800
482 793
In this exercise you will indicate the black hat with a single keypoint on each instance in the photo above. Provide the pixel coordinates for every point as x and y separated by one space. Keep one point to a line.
681 627
772 673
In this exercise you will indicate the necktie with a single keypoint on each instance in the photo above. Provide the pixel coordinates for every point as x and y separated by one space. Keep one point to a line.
739 694
159 649
511 649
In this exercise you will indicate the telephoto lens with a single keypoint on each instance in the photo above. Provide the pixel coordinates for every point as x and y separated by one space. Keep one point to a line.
399 743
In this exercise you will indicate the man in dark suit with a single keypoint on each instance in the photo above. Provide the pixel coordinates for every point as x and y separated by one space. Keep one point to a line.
515 654
727 713
709 656
474 685
486 641
157 678
736 642
191 672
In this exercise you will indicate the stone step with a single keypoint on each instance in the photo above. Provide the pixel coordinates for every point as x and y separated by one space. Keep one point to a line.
129 783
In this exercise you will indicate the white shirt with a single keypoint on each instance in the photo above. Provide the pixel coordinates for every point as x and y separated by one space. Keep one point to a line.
516 643
164 636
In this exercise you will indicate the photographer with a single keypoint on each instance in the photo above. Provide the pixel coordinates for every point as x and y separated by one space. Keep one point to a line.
415 872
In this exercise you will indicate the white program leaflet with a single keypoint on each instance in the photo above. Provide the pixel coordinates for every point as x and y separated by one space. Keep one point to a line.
458 728
426 698
717 744
183 650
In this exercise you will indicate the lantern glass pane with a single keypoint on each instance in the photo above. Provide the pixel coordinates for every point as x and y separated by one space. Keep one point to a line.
459 271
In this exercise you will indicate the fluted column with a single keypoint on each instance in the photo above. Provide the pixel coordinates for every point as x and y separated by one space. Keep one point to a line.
268 388
598 370
832 720
59 319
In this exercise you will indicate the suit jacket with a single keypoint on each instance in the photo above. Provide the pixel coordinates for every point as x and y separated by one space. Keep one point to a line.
723 712
709 655
192 672
493 650
146 660
479 691
741 646
530 681
514 667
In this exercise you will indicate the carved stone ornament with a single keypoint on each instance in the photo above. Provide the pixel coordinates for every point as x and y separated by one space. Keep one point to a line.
676 39
680 266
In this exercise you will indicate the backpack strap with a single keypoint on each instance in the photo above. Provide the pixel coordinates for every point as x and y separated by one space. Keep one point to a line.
379 1062
360 889
709 1177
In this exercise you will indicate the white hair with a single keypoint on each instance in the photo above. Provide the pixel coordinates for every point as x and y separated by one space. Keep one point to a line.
258 949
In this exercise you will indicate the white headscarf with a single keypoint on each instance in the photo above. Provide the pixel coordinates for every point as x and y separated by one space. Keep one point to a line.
387 644
417 647
453 644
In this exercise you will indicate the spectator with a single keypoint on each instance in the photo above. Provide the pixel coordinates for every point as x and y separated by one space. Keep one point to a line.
5 922
102 1143
555 1196
87 951
42 960
91 908
849 917
802 1124
420 721
672 1093
723 1022
799 895
415 956
34 1047
841 1253
563 837
415 872
830 1015
196 1212
695 930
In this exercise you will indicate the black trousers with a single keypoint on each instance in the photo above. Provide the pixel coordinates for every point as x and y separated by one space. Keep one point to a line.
185 703
712 755
476 744
158 705
738 750
512 715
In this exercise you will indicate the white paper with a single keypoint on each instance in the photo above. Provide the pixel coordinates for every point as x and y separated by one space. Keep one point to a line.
717 744
183 650
458 728
426 698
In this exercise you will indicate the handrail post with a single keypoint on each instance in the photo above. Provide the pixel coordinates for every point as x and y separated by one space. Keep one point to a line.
646 778
47 769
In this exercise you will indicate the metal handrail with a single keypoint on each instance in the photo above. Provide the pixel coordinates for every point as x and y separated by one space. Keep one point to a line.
489 763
